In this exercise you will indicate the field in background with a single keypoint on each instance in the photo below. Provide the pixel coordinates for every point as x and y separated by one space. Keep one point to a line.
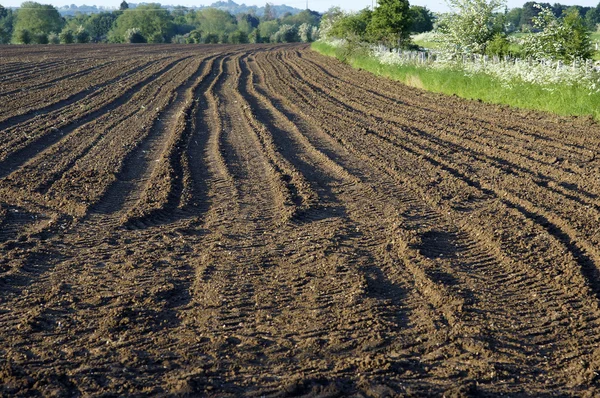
262 220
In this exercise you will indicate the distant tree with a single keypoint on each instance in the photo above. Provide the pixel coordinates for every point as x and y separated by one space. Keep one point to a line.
6 25
195 36
564 38
98 25
124 6
149 19
156 38
247 22
513 19
592 18
269 13
23 36
211 38
422 19
304 31
212 20
238 37
82 35
53 38
353 25
255 36
391 22
304 16
39 38
66 36
134 35
268 28
285 34
37 18
530 10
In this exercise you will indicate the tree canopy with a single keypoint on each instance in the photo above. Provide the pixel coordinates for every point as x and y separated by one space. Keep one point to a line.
38 18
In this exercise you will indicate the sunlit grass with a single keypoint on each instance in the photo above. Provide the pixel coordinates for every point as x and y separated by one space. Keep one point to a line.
559 99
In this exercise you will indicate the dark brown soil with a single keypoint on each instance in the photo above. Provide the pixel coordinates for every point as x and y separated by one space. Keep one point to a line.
265 221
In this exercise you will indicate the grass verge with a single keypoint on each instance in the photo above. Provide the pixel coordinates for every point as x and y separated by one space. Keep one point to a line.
562 99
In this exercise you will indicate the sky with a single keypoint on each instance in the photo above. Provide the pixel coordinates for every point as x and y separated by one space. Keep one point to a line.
317 5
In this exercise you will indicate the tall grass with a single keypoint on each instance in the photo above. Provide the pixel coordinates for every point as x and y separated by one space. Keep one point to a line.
560 99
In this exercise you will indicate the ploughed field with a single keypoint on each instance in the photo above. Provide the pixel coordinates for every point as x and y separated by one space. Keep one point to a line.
262 220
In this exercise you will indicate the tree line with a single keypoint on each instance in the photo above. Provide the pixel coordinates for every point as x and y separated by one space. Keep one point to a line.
35 23
473 27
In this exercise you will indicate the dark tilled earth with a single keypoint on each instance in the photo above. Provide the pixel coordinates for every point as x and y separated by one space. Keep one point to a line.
264 221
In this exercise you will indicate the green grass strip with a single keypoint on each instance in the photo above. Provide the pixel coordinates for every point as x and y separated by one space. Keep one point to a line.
562 99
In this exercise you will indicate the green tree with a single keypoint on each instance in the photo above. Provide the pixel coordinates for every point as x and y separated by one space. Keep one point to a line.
195 36
513 19
6 25
285 34
472 25
390 23
247 22
353 25
255 36
211 38
238 37
82 35
149 19
98 25
37 18
422 19
133 35
124 6
66 36
564 38
213 20
268 28
23 36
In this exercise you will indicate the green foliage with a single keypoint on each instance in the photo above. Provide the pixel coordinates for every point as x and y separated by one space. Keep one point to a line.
82 35
156 38
212 20
149 19
255 36
134 35
472 25
37 18
23 36
499 45
390 23
211 38
564 38
352 25
422 19
39 38
224 38
307 16
239 37
285 34
195 36
66 36
6 25
124 6
268 28
247 22
53 38
99 25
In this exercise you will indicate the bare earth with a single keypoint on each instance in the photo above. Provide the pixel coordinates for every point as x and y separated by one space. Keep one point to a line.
262 220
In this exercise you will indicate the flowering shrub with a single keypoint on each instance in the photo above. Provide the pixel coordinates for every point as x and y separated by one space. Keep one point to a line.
564 38
546 73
